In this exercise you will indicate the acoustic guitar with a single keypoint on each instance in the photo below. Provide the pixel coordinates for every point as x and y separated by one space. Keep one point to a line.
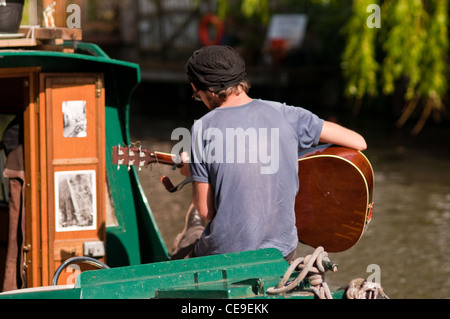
333 206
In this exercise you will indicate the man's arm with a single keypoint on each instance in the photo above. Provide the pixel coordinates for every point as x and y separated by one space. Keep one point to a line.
202 193
335 134
203 199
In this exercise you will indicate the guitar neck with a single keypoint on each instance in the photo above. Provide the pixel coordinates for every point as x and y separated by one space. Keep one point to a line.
167 158
133 156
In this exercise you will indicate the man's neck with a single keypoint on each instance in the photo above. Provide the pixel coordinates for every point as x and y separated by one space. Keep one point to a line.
236 100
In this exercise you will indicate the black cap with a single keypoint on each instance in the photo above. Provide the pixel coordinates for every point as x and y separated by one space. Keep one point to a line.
215 68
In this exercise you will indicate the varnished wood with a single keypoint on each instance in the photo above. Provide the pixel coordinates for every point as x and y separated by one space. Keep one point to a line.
334 202
65 154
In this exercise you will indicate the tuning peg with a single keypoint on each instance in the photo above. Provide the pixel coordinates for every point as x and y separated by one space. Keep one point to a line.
119 151
119 162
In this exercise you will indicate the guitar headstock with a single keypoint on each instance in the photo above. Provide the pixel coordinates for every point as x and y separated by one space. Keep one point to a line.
139 157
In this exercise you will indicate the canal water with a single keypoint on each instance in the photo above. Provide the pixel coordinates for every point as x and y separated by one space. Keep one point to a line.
406 246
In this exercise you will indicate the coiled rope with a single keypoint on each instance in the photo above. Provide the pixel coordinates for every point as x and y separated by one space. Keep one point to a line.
362 289
312 268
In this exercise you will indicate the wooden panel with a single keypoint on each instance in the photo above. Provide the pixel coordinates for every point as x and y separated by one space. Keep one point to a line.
75 178
65 249
32 186
36 35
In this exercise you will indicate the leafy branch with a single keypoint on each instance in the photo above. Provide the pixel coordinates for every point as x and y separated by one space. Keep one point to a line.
415 44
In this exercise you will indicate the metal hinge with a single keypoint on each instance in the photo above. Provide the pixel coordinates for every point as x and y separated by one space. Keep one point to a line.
98 87
26 250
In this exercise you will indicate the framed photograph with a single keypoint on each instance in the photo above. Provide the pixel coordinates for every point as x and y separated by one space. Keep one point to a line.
74 119
75 201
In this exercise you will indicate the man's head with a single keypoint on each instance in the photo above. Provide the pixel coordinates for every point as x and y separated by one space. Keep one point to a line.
217 71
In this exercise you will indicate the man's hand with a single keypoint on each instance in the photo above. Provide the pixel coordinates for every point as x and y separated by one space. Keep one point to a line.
185 170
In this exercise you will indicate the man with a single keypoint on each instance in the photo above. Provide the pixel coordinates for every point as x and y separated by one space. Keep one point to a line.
244 161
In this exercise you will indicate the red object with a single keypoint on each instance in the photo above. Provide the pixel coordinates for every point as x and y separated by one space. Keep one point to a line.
167 183
207 21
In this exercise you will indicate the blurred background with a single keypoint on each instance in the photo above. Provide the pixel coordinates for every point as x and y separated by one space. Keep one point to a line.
381 70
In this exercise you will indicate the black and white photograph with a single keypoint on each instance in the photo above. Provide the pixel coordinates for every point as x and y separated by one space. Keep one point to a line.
75 201
74 118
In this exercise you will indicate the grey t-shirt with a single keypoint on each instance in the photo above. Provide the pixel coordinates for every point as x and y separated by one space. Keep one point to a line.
249 155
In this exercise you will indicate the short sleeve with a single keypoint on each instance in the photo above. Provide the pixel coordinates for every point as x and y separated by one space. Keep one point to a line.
307 125
199 171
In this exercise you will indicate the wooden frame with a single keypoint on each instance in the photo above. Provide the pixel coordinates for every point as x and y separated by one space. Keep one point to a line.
70 154
47 151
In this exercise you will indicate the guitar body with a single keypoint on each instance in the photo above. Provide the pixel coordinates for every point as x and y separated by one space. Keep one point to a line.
334 203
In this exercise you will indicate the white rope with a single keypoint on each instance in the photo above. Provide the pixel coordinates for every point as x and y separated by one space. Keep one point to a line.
312 268
362 289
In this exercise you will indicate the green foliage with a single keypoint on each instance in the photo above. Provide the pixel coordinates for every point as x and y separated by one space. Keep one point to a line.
359 58
404 44
414 50
258 9
408 54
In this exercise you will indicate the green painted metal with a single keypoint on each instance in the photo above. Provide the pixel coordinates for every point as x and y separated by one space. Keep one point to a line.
238 275
166 278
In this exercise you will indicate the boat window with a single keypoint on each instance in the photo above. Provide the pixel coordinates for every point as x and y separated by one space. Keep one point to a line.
14 100
15 95
5 120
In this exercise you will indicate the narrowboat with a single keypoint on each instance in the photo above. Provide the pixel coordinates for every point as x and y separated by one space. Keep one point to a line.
73 226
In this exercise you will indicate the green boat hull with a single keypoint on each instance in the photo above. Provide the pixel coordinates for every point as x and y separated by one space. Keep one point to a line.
230 276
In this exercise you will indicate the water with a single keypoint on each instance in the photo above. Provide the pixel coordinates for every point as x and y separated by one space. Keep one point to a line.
408 236
407 239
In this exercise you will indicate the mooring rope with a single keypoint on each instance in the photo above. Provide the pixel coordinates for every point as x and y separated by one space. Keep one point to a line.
313 268
362 289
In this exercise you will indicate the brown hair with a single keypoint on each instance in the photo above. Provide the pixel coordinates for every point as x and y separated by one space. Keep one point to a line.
223 94
245 85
